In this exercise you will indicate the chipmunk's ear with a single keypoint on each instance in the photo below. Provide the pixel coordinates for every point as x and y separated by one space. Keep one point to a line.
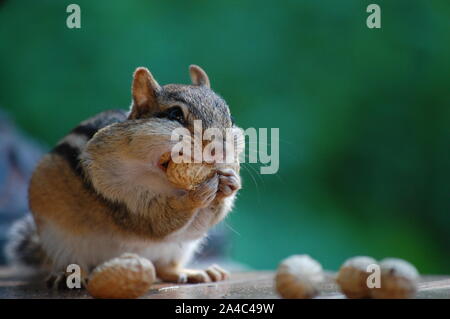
198 76
144 90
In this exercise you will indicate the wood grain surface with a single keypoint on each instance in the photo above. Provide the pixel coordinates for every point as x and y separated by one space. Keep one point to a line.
243 285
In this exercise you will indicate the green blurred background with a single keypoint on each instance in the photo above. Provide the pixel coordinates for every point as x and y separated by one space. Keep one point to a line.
363 114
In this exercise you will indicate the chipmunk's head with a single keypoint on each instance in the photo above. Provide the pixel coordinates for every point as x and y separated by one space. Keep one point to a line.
178 106
135 147
177 102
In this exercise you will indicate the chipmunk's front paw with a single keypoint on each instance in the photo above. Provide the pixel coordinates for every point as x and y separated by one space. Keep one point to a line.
182 276
205 193
229 182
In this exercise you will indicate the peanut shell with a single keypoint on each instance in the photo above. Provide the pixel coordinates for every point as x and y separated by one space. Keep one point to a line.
125 277
399 280
189 175
298 277
352 277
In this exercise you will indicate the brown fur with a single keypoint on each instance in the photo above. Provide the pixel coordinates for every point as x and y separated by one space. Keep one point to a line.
58 194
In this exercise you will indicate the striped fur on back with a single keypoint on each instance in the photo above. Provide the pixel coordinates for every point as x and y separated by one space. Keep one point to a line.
71 146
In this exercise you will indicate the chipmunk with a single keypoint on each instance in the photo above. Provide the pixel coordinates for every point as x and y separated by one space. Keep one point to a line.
102 192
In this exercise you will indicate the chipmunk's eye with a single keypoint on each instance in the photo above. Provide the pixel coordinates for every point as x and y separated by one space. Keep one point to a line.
174 114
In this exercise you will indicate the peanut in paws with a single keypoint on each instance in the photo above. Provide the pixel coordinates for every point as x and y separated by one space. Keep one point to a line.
187 175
